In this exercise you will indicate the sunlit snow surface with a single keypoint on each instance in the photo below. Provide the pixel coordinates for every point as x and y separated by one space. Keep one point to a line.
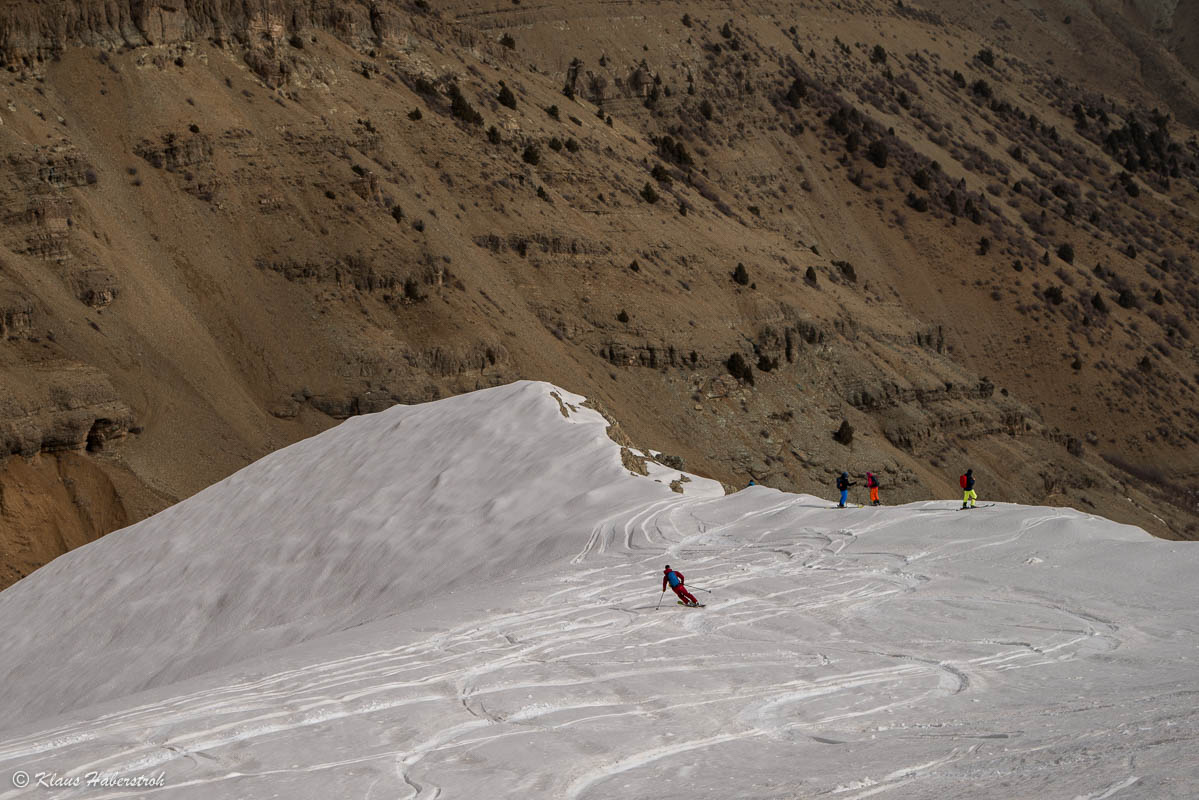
460 600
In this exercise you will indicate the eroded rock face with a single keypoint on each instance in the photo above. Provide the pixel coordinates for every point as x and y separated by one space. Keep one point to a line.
59 406
16 316
95 287
50 504
31 31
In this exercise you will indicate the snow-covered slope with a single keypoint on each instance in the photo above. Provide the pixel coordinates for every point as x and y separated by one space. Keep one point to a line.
360 522
459 599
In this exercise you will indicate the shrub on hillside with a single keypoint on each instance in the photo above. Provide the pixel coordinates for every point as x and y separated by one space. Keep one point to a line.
506 97
741 275
648 193
844 434
531 155
1066 252
877 153
461 108
796 92
673 151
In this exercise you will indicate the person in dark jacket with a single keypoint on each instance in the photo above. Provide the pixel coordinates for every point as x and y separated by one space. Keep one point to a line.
843 484
969 496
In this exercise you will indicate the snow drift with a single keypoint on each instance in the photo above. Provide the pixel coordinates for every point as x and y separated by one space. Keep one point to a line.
461 599
378 514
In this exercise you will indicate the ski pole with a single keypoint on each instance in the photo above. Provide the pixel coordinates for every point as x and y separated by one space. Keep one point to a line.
660 599
702 589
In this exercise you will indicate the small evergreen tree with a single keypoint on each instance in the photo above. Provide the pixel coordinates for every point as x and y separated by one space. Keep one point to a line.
506 97
877 153
844 434
739 369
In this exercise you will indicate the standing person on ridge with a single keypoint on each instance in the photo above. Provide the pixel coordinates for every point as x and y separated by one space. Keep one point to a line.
872 485
675 579
843 483
969 496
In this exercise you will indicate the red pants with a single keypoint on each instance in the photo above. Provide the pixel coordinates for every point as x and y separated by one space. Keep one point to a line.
684 595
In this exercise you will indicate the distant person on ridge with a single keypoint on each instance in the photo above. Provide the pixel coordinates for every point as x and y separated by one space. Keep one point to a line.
872 485
969 496
843 483
675 579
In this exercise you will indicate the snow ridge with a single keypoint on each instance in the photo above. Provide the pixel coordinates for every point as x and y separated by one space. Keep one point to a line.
878 652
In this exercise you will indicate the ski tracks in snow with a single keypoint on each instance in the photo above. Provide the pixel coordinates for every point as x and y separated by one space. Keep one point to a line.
814 636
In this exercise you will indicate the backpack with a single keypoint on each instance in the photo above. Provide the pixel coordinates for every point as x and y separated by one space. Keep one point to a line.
962 481
842 484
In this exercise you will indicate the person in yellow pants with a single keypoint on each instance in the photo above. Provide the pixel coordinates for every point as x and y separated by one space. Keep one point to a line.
969 496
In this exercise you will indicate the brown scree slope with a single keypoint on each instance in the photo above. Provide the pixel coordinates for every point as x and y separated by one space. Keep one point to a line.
963 229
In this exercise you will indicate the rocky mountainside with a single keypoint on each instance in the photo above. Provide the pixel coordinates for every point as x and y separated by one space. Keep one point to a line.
777 240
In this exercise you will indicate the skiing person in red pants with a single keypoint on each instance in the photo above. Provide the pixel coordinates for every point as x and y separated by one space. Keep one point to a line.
675 579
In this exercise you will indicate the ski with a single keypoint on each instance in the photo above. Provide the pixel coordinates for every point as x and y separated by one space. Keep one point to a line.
972 508
688 605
